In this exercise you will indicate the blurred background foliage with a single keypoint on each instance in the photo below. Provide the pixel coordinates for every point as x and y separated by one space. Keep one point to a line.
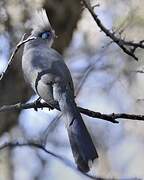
106 80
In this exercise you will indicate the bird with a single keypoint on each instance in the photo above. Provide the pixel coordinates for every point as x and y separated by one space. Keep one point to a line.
46 72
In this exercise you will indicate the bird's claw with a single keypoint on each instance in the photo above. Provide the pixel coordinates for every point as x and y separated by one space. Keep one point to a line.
37 102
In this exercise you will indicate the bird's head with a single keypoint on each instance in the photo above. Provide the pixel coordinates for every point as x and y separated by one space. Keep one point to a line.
42 29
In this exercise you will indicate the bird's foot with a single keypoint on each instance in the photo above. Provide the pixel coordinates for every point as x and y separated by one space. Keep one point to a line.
37 103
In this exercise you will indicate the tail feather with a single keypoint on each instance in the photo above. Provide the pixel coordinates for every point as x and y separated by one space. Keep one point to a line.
82 146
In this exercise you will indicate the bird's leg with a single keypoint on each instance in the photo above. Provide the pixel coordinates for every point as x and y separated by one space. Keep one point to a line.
37 103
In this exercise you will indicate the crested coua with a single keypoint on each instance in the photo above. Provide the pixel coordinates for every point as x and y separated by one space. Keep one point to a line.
45 70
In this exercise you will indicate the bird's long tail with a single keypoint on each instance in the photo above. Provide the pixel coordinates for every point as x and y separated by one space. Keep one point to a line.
82 146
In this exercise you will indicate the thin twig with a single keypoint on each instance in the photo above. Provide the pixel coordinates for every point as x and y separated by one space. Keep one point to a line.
22 41
50 128
128 47
138 71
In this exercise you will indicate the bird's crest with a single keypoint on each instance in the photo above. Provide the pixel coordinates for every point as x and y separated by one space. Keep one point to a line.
40 21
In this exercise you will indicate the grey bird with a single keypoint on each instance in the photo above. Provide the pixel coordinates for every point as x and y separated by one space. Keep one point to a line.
45 70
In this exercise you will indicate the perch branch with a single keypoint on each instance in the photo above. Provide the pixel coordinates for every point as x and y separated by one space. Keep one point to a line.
108 117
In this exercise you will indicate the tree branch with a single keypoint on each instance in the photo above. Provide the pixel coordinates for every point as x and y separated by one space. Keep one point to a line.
107 117
56 156
128 47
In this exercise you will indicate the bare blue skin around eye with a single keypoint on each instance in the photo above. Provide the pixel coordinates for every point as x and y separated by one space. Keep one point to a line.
45 35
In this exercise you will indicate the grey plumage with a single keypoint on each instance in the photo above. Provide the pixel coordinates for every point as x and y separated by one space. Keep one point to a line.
40 20
45 70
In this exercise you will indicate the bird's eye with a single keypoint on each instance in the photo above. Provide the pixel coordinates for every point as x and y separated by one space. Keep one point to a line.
45 35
